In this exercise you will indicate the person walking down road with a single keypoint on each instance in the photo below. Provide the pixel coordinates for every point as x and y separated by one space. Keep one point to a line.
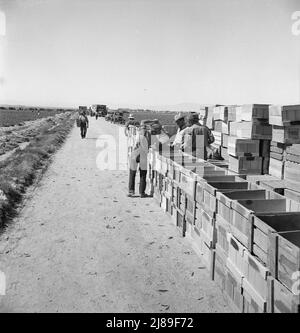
138 158
83 123
197 137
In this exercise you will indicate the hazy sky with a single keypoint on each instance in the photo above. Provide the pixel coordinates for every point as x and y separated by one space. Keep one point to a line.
149 52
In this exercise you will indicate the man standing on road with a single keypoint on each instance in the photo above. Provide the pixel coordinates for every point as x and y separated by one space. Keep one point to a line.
130 122
197 137
139 158
83 123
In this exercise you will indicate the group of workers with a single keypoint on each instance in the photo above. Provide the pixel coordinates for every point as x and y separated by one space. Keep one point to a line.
192 137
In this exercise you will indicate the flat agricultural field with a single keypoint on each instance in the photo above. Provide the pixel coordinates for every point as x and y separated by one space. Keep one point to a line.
165 118
15 117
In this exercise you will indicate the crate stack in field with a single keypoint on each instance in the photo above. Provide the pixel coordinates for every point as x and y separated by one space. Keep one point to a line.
285 152
220 125
247 236
231 117
249 138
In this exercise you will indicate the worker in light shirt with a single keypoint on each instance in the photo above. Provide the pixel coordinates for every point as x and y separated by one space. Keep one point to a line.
181 124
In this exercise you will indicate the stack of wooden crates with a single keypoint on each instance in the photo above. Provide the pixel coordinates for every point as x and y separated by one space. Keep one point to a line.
246 235
285 153
242 136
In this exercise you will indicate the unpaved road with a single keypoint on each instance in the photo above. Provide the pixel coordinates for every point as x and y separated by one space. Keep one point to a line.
80 245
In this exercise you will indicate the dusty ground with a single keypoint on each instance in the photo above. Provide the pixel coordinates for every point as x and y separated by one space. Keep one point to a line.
79 244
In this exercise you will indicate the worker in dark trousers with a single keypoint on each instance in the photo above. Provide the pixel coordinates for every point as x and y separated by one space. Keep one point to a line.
138 158
84 124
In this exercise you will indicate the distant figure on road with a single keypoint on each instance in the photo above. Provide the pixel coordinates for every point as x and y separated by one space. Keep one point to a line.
198 137
130 122
83 123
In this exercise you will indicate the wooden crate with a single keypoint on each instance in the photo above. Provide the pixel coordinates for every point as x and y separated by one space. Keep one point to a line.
242 212
291 113
275 115
168 186
188 182
176 172
246 164
257 179
190 209
231 113
169 206
282 300
243 147
294 199
225 140
265 165
220 112
233 292
251 130
222 230
219 275
293 158
263 226
178 197
285 248
212 178
253 302
205 253
235 261
254 111
276 156
292 172
189 230
224 153
276 168
277 186
287 134
210 189
224 200
163 203
256 275
281 115
205 225
180 222
264 148
157 195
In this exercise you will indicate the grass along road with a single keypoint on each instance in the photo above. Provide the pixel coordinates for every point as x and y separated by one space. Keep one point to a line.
80 245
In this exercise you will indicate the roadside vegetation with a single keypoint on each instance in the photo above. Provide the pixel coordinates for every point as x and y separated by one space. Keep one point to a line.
20 169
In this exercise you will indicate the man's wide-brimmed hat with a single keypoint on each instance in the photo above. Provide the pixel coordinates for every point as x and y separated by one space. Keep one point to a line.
193 117
178 117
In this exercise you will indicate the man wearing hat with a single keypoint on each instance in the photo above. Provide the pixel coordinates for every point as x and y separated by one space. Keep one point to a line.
130 122
199 137
180 122
138 159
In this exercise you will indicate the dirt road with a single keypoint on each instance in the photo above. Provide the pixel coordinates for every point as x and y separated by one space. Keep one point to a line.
80 245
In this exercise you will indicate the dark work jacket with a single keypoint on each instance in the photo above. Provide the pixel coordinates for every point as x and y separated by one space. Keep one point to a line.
193 131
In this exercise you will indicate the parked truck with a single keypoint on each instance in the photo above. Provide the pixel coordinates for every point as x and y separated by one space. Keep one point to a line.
99 110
